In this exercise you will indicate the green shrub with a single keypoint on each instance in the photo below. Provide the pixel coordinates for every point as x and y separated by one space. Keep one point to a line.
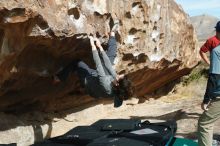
195 75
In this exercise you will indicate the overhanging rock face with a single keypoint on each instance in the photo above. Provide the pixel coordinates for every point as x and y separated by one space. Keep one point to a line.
157 44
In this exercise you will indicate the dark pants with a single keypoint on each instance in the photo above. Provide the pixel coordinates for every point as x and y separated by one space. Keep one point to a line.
80 67
83 69
209 117
212 87
112 49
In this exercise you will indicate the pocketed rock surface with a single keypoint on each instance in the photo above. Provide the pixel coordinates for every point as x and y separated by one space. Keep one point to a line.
157 45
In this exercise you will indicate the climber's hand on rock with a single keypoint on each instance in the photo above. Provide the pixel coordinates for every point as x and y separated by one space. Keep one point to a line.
98 44
91 38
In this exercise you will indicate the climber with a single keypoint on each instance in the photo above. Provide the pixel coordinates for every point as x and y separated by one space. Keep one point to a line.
102 82
211 102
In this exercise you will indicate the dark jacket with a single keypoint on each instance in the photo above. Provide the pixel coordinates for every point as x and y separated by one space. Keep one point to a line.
100 85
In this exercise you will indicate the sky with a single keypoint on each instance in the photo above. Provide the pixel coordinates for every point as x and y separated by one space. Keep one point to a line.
199 7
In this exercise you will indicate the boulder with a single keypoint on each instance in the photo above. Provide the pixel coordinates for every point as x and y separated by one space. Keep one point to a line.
157 45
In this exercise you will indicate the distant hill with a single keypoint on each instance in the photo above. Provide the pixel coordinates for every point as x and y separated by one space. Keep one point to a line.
204 25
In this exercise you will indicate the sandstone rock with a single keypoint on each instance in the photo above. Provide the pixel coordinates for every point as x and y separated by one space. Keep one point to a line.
157 44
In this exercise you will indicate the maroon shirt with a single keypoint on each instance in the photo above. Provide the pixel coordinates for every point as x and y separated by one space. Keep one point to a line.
210 44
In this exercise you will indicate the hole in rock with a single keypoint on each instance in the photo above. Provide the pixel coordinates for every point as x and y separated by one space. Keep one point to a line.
135 4
155 50
141 58
16 12
127 57
97 14
42 23
122 72
128 15
132 31
146 22
75 12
